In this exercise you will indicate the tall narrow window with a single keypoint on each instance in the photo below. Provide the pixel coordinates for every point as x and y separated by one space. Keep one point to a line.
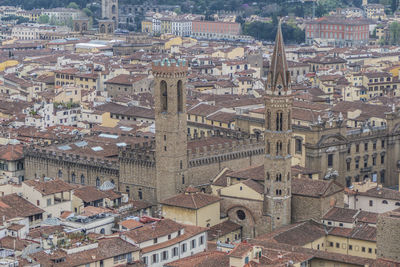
164 96
97 182
289 121
278 148
330 160
82 179
180 96
279 121
268 148
140 193
268 120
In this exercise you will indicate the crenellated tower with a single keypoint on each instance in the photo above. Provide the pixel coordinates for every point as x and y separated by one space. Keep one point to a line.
278 133
171 126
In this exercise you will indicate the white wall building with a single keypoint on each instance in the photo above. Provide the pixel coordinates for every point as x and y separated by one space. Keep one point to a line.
166 241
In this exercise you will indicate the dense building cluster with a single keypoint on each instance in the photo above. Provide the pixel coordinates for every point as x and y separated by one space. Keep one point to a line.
189 144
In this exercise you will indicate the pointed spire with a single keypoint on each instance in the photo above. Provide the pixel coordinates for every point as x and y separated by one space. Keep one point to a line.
279 76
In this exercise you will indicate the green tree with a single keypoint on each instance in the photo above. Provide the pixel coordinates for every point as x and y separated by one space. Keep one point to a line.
44 19
52 20
73 5
87 12
70 22
394 31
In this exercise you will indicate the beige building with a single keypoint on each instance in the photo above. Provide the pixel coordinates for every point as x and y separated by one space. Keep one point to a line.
53 196
193 207
129 85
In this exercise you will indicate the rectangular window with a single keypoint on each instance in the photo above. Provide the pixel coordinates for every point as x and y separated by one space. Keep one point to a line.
365 146
164 255
350 247
154 258
383 144
357 148
337 245
330 160
183 247
363 249
175 252
201 240
193 244
49 202
155 240
371 203
382 159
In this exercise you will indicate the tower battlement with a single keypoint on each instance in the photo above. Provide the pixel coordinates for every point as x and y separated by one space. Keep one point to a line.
32 151
143 153
170 68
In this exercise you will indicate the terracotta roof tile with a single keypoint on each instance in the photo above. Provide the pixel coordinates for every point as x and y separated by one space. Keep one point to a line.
222 229
191 200
50 187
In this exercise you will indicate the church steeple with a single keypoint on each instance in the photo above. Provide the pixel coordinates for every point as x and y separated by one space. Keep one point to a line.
278 135
279 75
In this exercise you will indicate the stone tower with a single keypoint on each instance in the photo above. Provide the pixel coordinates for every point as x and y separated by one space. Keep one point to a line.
109 10
388 235
171 126
278 133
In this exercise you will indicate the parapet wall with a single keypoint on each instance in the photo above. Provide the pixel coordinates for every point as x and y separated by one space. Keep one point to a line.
234 149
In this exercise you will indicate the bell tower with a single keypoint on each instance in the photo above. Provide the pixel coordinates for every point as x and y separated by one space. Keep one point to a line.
109 10
171 126
278 133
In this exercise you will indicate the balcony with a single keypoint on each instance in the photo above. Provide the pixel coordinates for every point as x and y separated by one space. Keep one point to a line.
366 169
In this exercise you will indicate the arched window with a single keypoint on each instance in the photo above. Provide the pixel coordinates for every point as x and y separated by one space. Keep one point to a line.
97 182
59 175
397 204
164 96
82 179
279 177
102 231
113 9
279 121
180 96
73 178
384 202
288 148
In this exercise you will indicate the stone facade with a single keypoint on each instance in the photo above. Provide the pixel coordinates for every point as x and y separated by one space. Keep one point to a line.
254 222
388 236
106 26
355 155
109 10
306 207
